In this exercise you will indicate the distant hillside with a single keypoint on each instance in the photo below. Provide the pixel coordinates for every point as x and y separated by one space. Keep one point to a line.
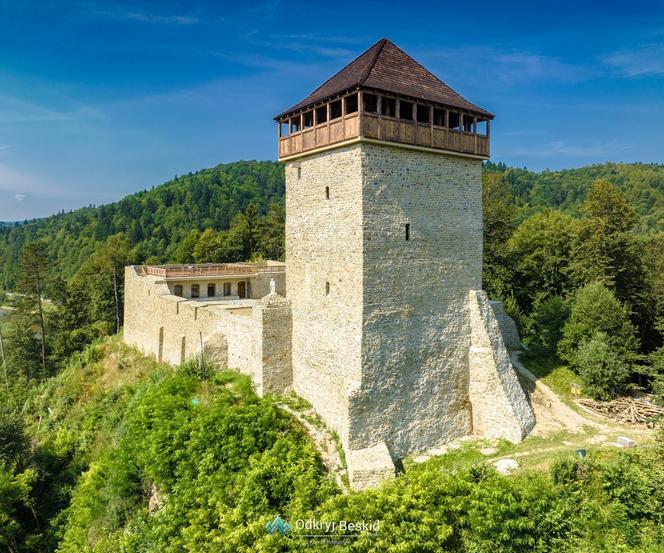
643 184
156 221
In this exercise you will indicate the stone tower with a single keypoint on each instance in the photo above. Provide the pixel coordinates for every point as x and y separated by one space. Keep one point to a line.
394 343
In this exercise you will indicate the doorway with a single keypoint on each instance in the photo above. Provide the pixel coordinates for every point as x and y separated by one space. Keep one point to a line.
242 290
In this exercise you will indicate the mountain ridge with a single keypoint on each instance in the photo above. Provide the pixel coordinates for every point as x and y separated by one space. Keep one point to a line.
157 219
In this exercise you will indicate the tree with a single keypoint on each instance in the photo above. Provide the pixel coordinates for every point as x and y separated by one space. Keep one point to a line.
541 251
545 324
113 256
32 283
209 247
603 369
596 309
23 347
498 212
185 250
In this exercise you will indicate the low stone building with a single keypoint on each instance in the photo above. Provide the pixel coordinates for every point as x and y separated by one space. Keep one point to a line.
233 314
384 327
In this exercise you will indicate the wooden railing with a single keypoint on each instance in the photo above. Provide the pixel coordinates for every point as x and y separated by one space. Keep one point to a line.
175 271
385 128
324 134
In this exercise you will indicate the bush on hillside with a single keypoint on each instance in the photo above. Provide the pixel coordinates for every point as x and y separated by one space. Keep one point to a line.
594 310
604 371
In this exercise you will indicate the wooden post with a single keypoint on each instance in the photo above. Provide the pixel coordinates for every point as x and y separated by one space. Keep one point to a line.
397 114
379 110
475 135
360 111
431 125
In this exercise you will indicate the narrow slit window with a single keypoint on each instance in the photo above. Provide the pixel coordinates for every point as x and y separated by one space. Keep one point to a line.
351 103
407 231
327 288
370 103
327 192
406 110
321 115
299 172
388 107
335 109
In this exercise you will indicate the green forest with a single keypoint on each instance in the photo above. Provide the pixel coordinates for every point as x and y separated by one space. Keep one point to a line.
104 450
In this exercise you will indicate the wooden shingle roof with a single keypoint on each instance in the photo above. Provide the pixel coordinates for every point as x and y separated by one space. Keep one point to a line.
387 68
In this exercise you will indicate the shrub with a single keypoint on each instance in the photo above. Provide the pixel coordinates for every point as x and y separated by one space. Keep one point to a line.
595 309
603 369
545 324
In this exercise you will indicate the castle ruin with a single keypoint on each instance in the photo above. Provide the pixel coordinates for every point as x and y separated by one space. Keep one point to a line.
377 318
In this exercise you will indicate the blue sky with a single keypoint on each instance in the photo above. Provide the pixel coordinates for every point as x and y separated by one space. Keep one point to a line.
100 99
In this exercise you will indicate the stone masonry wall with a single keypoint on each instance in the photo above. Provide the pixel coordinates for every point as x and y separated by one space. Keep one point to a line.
170 329
500 407
324 245
507 326
416 329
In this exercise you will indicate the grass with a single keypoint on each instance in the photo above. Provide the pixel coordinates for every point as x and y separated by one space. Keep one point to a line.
552 372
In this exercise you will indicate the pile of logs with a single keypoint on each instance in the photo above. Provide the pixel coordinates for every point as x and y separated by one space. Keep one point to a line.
627 410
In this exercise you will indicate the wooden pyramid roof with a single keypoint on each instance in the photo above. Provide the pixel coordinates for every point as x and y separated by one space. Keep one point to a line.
387 68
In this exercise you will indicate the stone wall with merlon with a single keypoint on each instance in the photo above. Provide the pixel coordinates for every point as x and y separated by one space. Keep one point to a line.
499 405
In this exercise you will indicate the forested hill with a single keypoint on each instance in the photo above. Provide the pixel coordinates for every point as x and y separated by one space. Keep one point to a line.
242 203
155 221
642 184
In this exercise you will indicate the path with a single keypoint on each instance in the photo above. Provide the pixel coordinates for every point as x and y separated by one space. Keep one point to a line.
323 440
551 414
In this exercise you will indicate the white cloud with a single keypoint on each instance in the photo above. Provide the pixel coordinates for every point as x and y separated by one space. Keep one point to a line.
642 62
154 18
19 197
20 182
506 67
15 110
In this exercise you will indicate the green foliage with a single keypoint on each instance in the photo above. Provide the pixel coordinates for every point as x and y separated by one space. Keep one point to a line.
596 309
546 322
604 370
158 223
112 453
641 183
498 215
541 252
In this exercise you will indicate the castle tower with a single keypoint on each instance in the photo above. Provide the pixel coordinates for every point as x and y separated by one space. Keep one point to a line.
393 343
